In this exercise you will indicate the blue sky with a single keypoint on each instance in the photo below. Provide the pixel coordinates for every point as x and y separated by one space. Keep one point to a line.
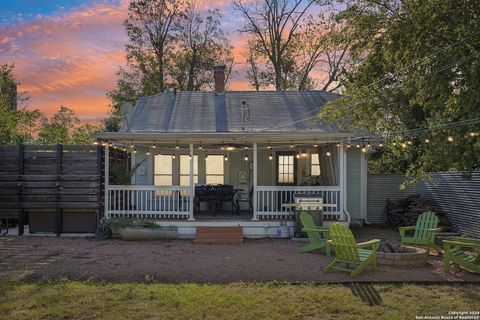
14 11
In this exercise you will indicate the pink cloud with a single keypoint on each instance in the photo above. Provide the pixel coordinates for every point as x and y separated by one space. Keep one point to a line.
71 59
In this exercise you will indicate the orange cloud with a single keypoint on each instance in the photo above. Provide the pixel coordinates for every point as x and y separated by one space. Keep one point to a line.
71 59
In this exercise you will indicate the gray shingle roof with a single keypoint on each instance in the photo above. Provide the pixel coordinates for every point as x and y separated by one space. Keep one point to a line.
206 112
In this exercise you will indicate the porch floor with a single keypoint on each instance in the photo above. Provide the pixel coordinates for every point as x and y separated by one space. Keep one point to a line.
222 216
180 261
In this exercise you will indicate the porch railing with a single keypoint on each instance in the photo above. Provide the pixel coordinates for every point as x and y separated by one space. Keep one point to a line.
269 200
148 202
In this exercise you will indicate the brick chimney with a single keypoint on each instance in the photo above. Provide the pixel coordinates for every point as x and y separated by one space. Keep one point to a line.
219 77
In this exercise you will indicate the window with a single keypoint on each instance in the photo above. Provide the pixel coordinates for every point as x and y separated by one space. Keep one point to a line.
314 164
286 165
185 170
214 169
163 170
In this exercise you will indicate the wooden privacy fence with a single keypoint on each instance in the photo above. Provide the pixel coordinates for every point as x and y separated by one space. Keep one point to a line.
57 188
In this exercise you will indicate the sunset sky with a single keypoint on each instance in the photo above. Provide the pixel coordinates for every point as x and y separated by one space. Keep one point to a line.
66 52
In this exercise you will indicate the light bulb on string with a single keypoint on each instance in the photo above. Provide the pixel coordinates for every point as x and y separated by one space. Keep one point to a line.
349 145
315 144
269 146
368 144
270 157
338 144
358 145
298 156
246 156
154 146
291 145
450 138
177 146
148 152
304 154
200 146
404 144
95 143
328 154
427 140
364 149
225 157
173 155
472 134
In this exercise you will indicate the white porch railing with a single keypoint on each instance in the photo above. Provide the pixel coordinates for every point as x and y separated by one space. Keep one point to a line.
269 200
160 202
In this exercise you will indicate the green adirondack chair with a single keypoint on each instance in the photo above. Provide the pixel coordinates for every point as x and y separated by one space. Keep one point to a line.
461 251
424 232
314 234
349 253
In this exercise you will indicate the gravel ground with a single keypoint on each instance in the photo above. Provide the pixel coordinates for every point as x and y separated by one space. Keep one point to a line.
180 261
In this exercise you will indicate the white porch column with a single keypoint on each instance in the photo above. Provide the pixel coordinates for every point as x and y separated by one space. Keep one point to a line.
341 166
254 200
106 179
192 184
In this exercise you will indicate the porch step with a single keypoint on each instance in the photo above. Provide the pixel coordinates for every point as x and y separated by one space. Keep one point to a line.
219 235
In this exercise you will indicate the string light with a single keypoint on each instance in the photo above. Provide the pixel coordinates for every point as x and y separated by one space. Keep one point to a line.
95 142
315 144
173 155
298 156
200 146
328 154
450 138
380 145
246 156
269 146
427 140
177 146
404 145
304 154
472 134
368 144
291 145
154 146
270 157
131 145
148 152
358 145
225 157
364 149
348 145
338 144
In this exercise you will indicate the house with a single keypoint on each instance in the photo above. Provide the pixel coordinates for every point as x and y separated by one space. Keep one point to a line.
268 142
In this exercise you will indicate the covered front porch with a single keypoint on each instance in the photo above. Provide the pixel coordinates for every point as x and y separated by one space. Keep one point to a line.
258 177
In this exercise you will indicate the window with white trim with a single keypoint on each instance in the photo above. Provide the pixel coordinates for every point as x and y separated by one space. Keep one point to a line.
214 169
314 164
163 170
185 169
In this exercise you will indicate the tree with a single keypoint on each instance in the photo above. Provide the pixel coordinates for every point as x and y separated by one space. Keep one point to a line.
64 127
292 49
200 44
18 125
150 41
420 70
274 25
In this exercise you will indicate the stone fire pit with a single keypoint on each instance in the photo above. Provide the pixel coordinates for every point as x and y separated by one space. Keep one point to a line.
398 255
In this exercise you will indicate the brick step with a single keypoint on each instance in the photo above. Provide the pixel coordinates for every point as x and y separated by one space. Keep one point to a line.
219 236
218 241
219 229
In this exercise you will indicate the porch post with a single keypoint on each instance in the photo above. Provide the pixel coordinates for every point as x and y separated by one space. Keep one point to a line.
192 184
106 179
341 179
254 200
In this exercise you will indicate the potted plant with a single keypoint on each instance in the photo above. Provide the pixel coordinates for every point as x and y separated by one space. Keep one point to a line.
141 230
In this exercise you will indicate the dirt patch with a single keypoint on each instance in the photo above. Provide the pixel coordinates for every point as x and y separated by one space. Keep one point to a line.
181 261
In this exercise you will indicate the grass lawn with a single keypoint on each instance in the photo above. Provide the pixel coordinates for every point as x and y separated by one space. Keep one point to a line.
76 300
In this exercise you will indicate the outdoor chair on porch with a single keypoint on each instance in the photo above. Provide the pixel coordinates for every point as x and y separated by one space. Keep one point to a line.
223 193
203 193
248 199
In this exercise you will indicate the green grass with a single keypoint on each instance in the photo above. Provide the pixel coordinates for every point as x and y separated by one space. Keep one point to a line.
76 300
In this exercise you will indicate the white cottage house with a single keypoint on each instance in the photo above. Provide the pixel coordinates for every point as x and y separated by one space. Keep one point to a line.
197 153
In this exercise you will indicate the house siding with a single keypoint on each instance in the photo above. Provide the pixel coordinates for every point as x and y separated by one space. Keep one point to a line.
354 185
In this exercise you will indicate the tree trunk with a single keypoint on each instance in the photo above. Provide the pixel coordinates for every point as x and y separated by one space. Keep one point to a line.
278 77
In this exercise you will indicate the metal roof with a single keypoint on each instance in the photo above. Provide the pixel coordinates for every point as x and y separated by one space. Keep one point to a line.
207 112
